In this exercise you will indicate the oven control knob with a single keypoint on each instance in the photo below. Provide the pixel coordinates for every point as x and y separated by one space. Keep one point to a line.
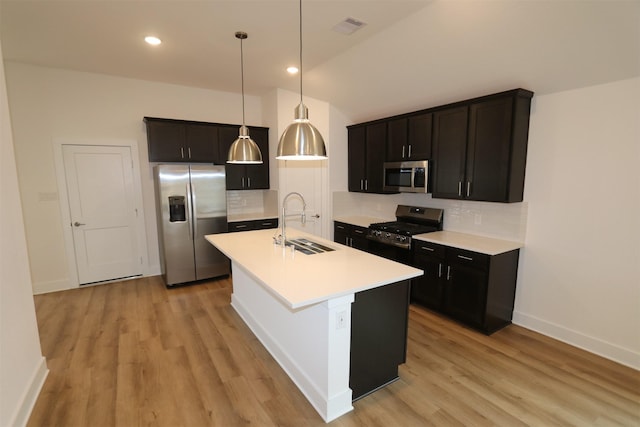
402 238
387 235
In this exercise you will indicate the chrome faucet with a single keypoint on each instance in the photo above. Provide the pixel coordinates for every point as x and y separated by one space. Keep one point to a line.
282 240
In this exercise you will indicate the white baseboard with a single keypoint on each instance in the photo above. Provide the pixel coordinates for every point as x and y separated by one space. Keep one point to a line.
591 344
28 400
52 286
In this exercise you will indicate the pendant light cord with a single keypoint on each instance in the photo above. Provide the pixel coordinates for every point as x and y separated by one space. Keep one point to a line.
300 51
242 78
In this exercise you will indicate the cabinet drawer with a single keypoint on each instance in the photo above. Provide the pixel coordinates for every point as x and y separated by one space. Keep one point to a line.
266 223
427 248
349 228
256 224
468 258
240 226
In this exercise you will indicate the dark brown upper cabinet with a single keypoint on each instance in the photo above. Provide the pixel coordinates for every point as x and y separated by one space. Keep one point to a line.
480 148
182 141
409 138
366 153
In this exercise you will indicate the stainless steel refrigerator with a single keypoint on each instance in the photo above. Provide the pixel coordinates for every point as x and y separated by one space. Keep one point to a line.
190 203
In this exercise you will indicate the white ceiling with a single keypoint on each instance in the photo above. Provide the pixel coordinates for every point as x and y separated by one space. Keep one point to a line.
410 55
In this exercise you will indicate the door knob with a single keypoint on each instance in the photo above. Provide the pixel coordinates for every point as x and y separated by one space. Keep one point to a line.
77 224
316 216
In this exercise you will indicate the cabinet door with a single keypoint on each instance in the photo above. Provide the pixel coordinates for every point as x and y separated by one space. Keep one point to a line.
202 144
257 176
449 152
427 289
488 150
356 158
166 141
419 137
235 174
397 149
376 137
465 293
359 239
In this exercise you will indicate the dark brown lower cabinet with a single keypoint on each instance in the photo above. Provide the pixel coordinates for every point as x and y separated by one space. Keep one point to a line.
379 320
350 235
473 288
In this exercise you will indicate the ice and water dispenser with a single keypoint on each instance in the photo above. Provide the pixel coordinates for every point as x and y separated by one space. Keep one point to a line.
177 210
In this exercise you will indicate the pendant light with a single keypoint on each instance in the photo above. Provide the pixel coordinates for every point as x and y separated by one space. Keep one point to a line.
243 150
301 140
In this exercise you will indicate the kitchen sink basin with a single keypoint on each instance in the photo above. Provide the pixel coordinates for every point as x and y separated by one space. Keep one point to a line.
308 247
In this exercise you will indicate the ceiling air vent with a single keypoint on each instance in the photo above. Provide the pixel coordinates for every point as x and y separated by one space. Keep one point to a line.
348 26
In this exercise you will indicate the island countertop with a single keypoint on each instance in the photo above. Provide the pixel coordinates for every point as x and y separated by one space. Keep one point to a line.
299 280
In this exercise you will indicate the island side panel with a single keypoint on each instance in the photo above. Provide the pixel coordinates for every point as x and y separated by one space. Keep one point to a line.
378 336
309 343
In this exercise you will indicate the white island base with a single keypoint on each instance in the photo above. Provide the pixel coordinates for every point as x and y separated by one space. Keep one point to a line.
308 343
300 308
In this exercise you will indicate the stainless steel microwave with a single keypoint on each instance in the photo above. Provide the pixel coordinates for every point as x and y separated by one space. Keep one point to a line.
406 177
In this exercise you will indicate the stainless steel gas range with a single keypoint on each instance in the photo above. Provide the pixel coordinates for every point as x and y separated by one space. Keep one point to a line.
393 239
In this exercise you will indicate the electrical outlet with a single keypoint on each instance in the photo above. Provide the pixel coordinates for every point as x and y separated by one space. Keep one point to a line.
341 319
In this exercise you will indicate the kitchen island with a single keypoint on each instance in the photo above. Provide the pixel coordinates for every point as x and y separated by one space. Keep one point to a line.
300 307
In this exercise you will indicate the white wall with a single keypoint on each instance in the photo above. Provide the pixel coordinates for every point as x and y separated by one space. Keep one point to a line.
579 277
22 367
50 103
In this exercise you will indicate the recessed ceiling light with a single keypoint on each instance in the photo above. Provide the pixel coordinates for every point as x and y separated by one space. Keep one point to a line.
292 70
152 40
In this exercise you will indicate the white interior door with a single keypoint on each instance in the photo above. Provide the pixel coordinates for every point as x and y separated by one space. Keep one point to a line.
103 214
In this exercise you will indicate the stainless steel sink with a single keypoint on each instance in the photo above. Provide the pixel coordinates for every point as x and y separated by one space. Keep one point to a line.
308 247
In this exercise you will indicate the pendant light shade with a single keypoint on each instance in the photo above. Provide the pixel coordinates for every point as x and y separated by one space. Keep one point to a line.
244 150
301 140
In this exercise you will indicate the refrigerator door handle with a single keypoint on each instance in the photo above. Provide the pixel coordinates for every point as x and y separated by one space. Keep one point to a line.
194 215
189 212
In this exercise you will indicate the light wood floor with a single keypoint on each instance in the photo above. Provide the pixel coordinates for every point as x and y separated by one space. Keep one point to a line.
135 353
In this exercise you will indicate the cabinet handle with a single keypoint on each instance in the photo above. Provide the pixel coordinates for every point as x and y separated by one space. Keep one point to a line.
439 270
243 182
339 227
465 257
403 151
362 184
459 188
366 185
358 231
448 272
468 188
267 223
248 182
189 151
427 249
409 151
181 152
241 226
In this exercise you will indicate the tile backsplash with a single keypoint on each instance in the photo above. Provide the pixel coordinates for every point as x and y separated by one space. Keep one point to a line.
251 204
499 220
